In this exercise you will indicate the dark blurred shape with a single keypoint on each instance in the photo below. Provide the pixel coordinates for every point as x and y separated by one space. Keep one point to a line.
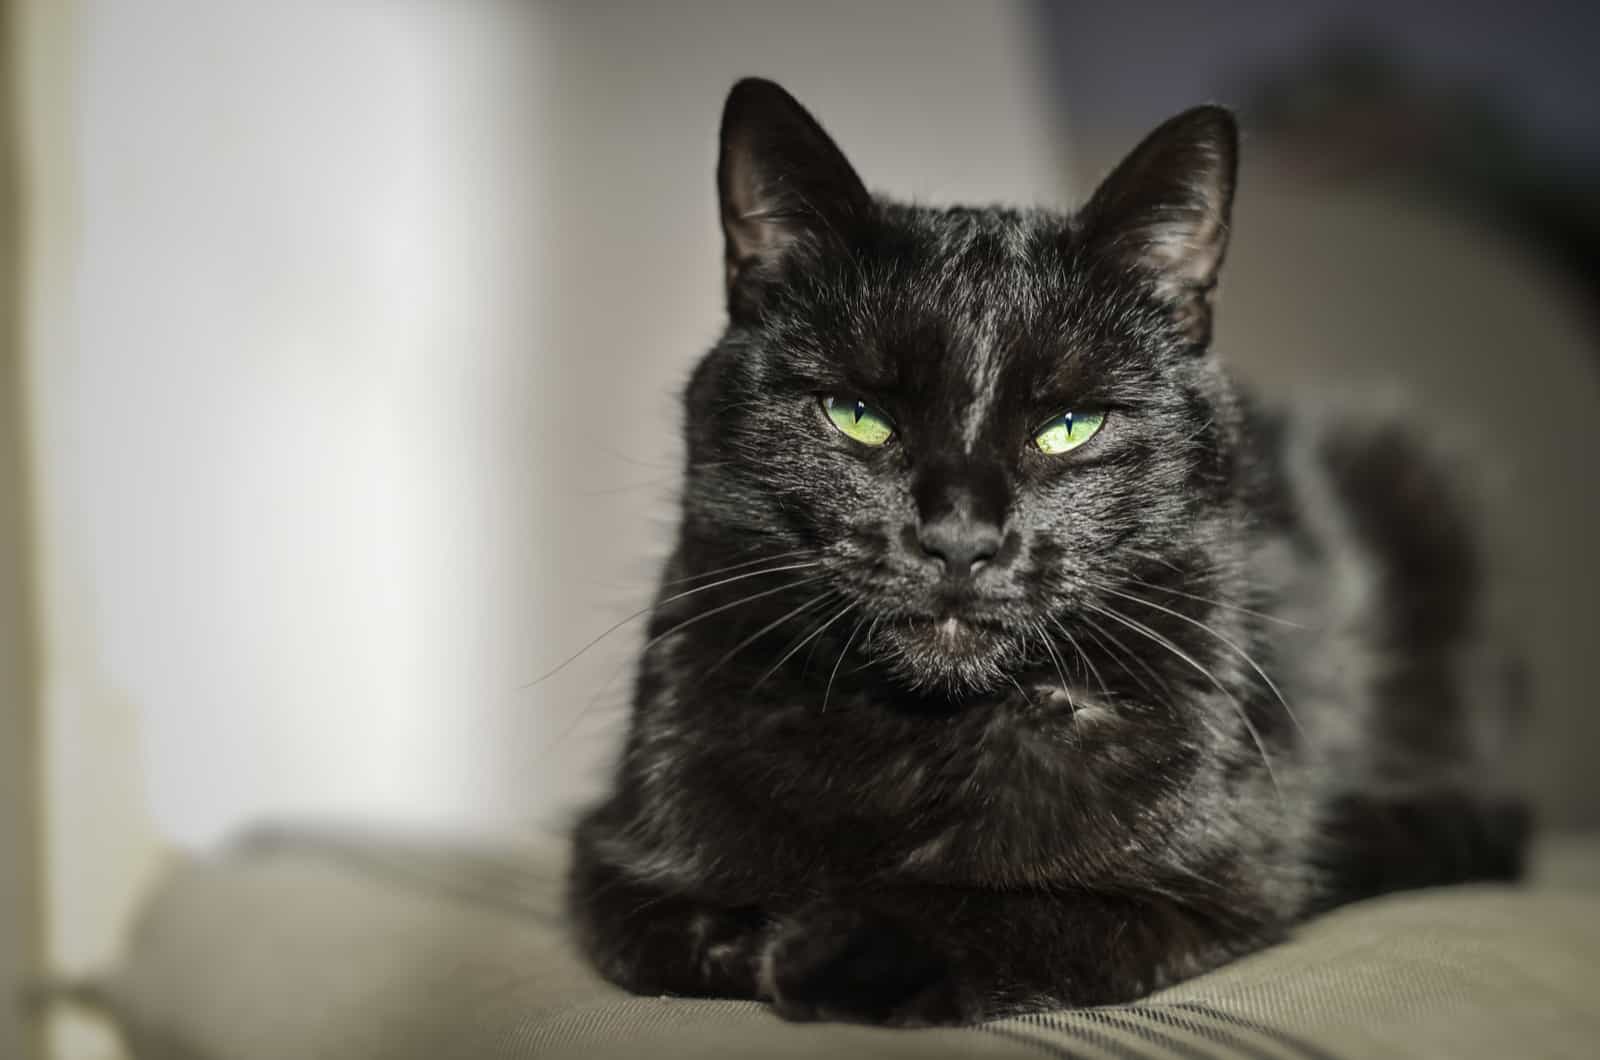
1489 110
1352 109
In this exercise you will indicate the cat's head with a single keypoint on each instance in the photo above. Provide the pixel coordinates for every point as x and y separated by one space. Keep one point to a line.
979 421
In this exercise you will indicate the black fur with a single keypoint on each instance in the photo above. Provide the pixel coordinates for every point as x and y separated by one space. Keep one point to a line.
1210 672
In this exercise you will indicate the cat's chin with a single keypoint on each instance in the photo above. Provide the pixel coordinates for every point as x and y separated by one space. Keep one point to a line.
949 655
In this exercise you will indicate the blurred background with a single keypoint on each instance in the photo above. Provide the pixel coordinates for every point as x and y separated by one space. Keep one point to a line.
342 340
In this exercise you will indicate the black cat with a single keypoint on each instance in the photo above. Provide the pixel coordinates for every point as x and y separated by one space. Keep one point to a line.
1009 656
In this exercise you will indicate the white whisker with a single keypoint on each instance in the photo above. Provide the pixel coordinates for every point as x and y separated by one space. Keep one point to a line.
1234 647
809 637
1044 639
1146 631
692 619
1088 662
738 566
768 628
569 660
843 652
1128 655
1216 603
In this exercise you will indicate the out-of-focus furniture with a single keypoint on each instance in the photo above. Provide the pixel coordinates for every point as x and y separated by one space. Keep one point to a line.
361 949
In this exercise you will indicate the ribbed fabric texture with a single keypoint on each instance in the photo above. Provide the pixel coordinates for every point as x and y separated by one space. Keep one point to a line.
339 947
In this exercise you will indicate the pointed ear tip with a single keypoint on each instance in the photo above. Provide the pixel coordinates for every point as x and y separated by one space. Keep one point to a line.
750 93
754 84
1214 122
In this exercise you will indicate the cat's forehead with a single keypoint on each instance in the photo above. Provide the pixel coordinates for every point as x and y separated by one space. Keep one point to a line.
955 295
962 242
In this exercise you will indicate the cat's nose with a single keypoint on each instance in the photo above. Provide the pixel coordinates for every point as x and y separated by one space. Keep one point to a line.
961 544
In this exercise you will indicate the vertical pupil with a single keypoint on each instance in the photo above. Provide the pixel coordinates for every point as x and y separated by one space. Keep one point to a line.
1067 419
860 408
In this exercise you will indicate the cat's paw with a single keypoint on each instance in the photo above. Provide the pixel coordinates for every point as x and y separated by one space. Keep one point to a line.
691 952
835 963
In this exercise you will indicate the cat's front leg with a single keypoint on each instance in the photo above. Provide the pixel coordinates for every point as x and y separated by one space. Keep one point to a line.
841 962
653 940
936 956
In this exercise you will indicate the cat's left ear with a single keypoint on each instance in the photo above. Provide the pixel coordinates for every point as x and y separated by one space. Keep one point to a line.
1165 212
783 184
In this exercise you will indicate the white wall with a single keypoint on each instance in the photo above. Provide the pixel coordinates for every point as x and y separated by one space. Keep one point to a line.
293 430
371 306
284 343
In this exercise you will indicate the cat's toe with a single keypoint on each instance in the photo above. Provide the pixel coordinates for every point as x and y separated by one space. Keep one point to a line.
842 964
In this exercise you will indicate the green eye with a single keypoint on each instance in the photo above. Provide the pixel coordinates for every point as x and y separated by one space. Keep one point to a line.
1067 431
858 420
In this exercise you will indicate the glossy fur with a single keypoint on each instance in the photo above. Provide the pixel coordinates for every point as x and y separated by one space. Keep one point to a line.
1213 671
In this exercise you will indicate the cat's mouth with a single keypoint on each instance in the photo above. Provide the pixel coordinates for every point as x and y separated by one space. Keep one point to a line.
957 635
949 651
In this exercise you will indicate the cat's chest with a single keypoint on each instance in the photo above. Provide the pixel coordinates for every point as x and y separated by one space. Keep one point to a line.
1008 782
994 756
1021 791
1043 800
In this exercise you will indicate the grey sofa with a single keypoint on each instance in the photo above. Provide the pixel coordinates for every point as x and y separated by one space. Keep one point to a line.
303 946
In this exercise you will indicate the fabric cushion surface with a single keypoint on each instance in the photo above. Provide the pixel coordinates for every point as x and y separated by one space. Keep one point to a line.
307 945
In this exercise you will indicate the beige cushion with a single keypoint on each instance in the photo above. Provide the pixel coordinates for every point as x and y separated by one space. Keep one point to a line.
311 947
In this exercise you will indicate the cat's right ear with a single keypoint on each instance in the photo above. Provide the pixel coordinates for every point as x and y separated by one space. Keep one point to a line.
1164 211
784 186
